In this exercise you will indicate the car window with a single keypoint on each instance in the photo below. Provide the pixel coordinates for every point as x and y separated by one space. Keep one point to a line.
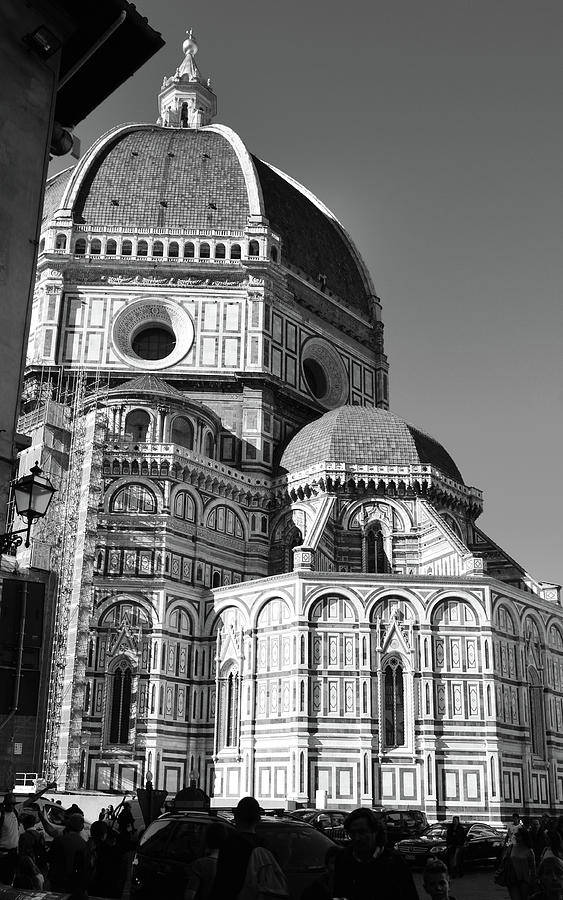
187 841
55 815
409 820
294 848
435 832
323 821
393 818
156 836
480 831
338 819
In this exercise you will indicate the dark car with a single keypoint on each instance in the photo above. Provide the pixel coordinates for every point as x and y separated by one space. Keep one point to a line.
329 821
483 844
401 823
172 842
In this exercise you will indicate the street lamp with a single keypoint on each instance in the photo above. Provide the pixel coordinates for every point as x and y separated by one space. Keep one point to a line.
32 496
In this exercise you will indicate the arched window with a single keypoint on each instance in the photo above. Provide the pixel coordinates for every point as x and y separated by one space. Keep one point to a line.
60 242
137 424
96 247
120 706
80 247
126 248
209 446
216 582
376 557
228 709
184 506
173 250
189 250
254 248
111 247
220 252
183 432
158 248
204 250
393 704
274 254
235 251
226 521
134 498
142 248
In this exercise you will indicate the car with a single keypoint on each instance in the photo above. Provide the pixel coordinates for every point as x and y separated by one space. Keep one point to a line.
483 844
401 823
329 821
173 841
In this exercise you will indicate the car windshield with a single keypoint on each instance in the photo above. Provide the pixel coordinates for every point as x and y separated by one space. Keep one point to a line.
436 832
156 836
294 848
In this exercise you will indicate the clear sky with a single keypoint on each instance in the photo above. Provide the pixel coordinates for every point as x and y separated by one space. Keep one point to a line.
433 130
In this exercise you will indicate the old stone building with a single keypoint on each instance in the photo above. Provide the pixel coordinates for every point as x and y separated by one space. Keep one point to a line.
264 579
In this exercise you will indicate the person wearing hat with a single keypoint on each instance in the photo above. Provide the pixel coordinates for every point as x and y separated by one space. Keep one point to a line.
234 855
68 859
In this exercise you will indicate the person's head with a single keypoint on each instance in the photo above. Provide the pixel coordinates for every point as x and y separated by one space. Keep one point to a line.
215 836
247 813
28 820
515 818
550 875
455 820
9 802
436 879
98 831
75 822
365 831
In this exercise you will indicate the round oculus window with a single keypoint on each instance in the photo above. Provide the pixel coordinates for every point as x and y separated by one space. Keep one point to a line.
152 334
324 373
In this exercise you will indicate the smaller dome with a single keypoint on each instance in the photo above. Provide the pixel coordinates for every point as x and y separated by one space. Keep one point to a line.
359 435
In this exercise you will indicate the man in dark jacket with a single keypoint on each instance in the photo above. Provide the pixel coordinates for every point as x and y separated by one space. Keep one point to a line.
455 840
366 870
234 854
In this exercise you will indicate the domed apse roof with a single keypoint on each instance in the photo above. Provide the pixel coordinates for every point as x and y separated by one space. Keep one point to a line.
358 435
147 177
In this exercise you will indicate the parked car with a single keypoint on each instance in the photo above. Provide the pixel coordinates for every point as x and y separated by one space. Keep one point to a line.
401 823
483 844
329 821
174 840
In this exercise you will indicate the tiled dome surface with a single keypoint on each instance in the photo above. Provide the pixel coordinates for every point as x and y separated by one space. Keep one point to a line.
54 190
358 435
165 178
310 240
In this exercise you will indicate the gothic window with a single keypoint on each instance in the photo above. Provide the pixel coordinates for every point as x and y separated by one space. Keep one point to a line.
254 248
96 247
142 248
189 250
209 446
158 248
126 248
393 704
60 242
228 709
226 521
134 498
235 251
376 557
216 582
120 705
183 432
111 248
204 250
173 250
80 247
220 251
184 506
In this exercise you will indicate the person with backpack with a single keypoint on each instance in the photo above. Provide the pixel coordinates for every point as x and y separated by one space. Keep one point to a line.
245 870
366 870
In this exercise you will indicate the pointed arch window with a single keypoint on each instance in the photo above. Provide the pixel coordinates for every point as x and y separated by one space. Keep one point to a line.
228 709
393 704
376 556
537 713
120 705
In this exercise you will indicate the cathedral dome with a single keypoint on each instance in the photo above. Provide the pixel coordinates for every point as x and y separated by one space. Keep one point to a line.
174 182
356 435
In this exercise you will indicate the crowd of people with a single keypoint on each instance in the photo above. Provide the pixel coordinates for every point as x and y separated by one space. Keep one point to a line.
65 862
